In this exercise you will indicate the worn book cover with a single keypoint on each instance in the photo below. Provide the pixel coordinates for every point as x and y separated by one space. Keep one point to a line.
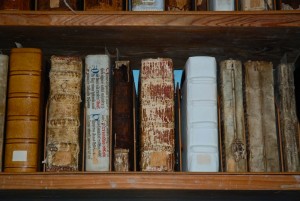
232 116
122 120
285 98
222 5
261 121
201 5
105 5
57 5
16 4
3 89
62 136
289 5
178 5
199 115
157 126
147 5
97 103
252 5
23 111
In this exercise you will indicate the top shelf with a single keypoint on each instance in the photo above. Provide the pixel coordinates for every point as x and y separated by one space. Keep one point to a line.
165 18
138 35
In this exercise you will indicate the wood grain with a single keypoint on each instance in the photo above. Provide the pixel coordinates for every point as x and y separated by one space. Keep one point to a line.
146 181
176 35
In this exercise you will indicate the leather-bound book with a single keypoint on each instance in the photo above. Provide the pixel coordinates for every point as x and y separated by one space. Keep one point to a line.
15 4
3 89
57 5
201 5
261 121
178 5
289 5
122 120
221 5
142 5
285 98
157 126
199 115
232 116
62 135
252 5
97 103
23 131
105 5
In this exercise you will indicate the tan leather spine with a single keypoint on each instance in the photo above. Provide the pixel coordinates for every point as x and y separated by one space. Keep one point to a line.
23 113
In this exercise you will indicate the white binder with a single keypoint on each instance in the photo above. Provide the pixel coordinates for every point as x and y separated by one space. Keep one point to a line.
200 115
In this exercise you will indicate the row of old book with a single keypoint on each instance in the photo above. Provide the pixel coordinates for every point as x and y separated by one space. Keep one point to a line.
89 120
150 5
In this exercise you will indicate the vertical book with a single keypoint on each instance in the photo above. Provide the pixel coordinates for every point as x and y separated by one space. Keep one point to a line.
285 96
157 144
122 120
252 5
62 138
200 115
3 89
97 103
261 121
178 5
23 111
232 116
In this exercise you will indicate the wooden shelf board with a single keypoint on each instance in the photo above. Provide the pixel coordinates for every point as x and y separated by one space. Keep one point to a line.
192 18
150 181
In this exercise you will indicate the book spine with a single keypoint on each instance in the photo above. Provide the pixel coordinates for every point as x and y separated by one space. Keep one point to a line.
122 123
285 93
290 5
62 146
57 4
3 89
148 5
200 116
201 5
263 153
15 5
178 5
23 111
252 5
157 144
232 116
97 87
222 5
104 5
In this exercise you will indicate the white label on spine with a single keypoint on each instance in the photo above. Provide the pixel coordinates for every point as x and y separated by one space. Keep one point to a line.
97 117
20 156
54 3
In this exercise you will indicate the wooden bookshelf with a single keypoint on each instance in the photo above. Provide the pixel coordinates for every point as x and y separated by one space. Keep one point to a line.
137 35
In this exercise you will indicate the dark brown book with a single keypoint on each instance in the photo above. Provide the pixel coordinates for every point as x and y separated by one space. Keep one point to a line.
178 5
122 122
157 119
57 4
201 5
23 131
105 5
16 4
